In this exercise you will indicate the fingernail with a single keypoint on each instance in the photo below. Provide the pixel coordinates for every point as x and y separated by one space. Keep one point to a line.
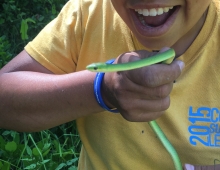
189 167
181 64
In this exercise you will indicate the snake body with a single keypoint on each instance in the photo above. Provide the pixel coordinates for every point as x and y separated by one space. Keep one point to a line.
166 58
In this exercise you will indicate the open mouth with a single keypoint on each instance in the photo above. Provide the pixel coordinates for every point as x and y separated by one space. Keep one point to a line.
154 17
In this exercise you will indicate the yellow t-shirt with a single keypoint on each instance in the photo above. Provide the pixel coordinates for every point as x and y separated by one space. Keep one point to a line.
88 31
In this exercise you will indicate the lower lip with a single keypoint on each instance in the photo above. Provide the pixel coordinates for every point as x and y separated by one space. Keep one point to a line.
154 31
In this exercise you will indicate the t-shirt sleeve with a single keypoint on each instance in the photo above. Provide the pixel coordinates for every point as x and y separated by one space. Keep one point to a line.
57 46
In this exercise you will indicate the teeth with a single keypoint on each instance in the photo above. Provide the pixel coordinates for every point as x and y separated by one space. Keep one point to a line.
166 9
159 11
145 12
140 11
153 11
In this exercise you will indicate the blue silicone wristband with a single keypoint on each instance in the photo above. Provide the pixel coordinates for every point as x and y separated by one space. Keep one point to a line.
97 89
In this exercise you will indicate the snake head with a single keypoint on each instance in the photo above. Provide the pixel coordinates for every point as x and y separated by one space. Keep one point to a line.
92 67
95 67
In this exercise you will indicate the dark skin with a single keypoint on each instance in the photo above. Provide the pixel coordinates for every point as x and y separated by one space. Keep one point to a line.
149 91
186 23
24 79
34 99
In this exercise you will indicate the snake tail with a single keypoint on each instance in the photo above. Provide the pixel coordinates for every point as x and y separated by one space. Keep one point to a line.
170 149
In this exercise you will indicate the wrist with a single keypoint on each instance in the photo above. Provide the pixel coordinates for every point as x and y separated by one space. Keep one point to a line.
105 95
98 91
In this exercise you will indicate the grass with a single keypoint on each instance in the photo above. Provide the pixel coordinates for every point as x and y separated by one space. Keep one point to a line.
54 149
57 148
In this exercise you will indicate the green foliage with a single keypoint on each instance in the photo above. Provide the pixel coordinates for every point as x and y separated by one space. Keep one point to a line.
21 21
5 48
57 148
24 28
54 149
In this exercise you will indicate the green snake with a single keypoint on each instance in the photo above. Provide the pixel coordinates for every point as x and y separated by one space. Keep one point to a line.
166 58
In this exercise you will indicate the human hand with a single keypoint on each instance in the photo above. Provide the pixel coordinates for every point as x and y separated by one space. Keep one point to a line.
201 167
142 94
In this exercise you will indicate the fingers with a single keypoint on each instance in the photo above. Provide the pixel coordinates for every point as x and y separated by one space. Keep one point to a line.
155 75
201 167
142 94
143 110
139 103
188 167
164 49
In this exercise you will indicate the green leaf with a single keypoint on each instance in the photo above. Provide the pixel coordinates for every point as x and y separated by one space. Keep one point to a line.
36 152
40 17
29 151
61 166
6 166
70 162
13 134
23 30
32 166
45 161
2 142
28 159
46 146
54 9
30 20
5 133
72 168
56 145
11 146
13 7
46 152
2 21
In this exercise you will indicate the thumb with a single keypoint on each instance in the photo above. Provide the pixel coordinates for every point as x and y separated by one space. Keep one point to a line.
179 62
188 167
201 167
164 49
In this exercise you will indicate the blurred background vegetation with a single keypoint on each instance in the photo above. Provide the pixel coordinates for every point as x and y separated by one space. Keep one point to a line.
53 149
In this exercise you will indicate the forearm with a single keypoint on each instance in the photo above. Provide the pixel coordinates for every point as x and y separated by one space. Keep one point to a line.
33 101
